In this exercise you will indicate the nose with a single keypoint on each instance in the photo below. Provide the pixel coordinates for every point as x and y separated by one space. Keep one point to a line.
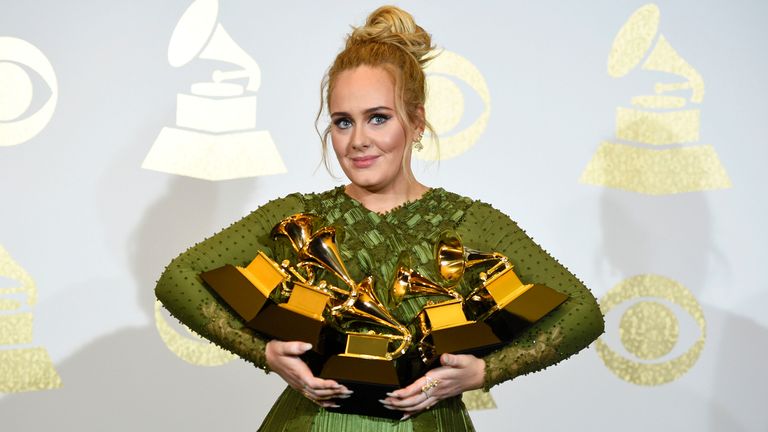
360 139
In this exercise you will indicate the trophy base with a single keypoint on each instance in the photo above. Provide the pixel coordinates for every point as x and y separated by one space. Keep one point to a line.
293 326
513 315
369 379
471 338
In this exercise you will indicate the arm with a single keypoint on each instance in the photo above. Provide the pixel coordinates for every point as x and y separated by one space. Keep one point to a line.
562 333
183 293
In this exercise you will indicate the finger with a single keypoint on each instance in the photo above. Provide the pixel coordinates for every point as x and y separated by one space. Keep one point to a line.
325 403
324 394
450 360
294 348
413 405
326 386
412 390
407 404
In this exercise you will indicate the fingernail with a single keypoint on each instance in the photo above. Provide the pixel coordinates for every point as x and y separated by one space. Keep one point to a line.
307 346
389 407
335 406
391 394
348 392
405 417
344 396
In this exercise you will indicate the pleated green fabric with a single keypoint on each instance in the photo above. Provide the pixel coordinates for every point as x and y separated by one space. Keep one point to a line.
371 244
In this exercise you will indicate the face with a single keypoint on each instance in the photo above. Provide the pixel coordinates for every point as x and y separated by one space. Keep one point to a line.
368 139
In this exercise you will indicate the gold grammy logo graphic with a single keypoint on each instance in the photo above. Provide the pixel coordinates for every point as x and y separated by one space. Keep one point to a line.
445 105
22 368
215 137
17 91
657 155
649 330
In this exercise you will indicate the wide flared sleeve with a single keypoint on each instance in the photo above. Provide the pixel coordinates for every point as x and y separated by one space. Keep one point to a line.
184 294
564 331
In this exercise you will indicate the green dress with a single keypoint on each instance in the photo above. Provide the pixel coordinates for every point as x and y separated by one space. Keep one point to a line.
370 244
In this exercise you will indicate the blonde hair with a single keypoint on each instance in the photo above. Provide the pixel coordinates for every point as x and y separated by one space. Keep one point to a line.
391 40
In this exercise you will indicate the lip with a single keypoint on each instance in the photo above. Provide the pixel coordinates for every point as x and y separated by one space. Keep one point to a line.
363 161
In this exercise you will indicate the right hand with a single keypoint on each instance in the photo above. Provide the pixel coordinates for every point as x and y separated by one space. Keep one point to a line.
283 359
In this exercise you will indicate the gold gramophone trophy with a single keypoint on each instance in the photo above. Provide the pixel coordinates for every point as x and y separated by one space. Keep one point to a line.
372 339
501 300
442 326
254 295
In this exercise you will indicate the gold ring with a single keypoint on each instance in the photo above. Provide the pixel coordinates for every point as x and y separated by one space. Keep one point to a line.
431 383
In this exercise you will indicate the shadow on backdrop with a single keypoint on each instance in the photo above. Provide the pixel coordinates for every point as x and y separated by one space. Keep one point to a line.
672 236
129 380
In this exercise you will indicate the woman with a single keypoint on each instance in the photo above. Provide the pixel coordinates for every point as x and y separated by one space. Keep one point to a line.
375 94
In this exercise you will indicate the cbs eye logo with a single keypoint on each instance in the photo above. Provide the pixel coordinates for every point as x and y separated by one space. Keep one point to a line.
445 105
653 312
17 59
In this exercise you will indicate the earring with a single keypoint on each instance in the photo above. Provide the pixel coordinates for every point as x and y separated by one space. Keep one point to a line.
417 145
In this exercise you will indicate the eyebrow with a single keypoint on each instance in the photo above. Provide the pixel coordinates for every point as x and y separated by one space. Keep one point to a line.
368 111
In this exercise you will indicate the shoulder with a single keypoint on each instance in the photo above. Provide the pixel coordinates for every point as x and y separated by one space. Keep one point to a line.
473 208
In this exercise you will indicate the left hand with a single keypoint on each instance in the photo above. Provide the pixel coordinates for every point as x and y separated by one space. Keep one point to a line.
458 373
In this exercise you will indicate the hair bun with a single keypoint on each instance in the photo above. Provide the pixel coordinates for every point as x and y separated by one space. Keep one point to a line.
390 24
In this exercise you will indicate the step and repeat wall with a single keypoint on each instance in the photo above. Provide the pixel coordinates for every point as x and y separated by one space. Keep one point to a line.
628 138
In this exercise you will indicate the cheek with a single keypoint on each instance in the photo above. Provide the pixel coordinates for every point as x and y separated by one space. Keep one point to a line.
337 143
393 142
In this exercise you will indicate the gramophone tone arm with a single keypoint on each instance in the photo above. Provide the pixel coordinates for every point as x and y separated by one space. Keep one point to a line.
325 286
286 265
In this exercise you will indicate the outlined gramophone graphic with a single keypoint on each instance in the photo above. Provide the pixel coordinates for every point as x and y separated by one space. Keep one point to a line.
655 152
22 367
215 136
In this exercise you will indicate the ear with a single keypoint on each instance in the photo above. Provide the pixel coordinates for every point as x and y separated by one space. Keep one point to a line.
421 119
420 122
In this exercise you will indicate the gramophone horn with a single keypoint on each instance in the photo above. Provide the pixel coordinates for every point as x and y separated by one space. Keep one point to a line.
199 34
298 229
321 251
409 283
453 258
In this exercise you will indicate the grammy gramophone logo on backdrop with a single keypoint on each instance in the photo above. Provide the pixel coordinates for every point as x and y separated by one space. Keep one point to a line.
215 136
18 121
656 150
22 367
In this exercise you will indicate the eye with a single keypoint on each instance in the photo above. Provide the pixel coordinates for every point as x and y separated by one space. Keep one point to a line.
343 123
378 119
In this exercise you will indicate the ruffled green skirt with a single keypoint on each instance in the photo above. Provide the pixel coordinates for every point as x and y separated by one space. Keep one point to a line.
293 412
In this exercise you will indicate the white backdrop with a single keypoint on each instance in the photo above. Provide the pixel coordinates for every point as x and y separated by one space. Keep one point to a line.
93 230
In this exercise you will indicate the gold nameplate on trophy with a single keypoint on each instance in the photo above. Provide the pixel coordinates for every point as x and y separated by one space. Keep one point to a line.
263 273
446 314
307 301
366 346
298 319
446 329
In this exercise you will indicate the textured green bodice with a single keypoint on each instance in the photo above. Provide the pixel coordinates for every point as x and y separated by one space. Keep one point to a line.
370 245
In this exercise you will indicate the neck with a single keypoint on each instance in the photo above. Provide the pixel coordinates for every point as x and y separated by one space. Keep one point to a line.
382 201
